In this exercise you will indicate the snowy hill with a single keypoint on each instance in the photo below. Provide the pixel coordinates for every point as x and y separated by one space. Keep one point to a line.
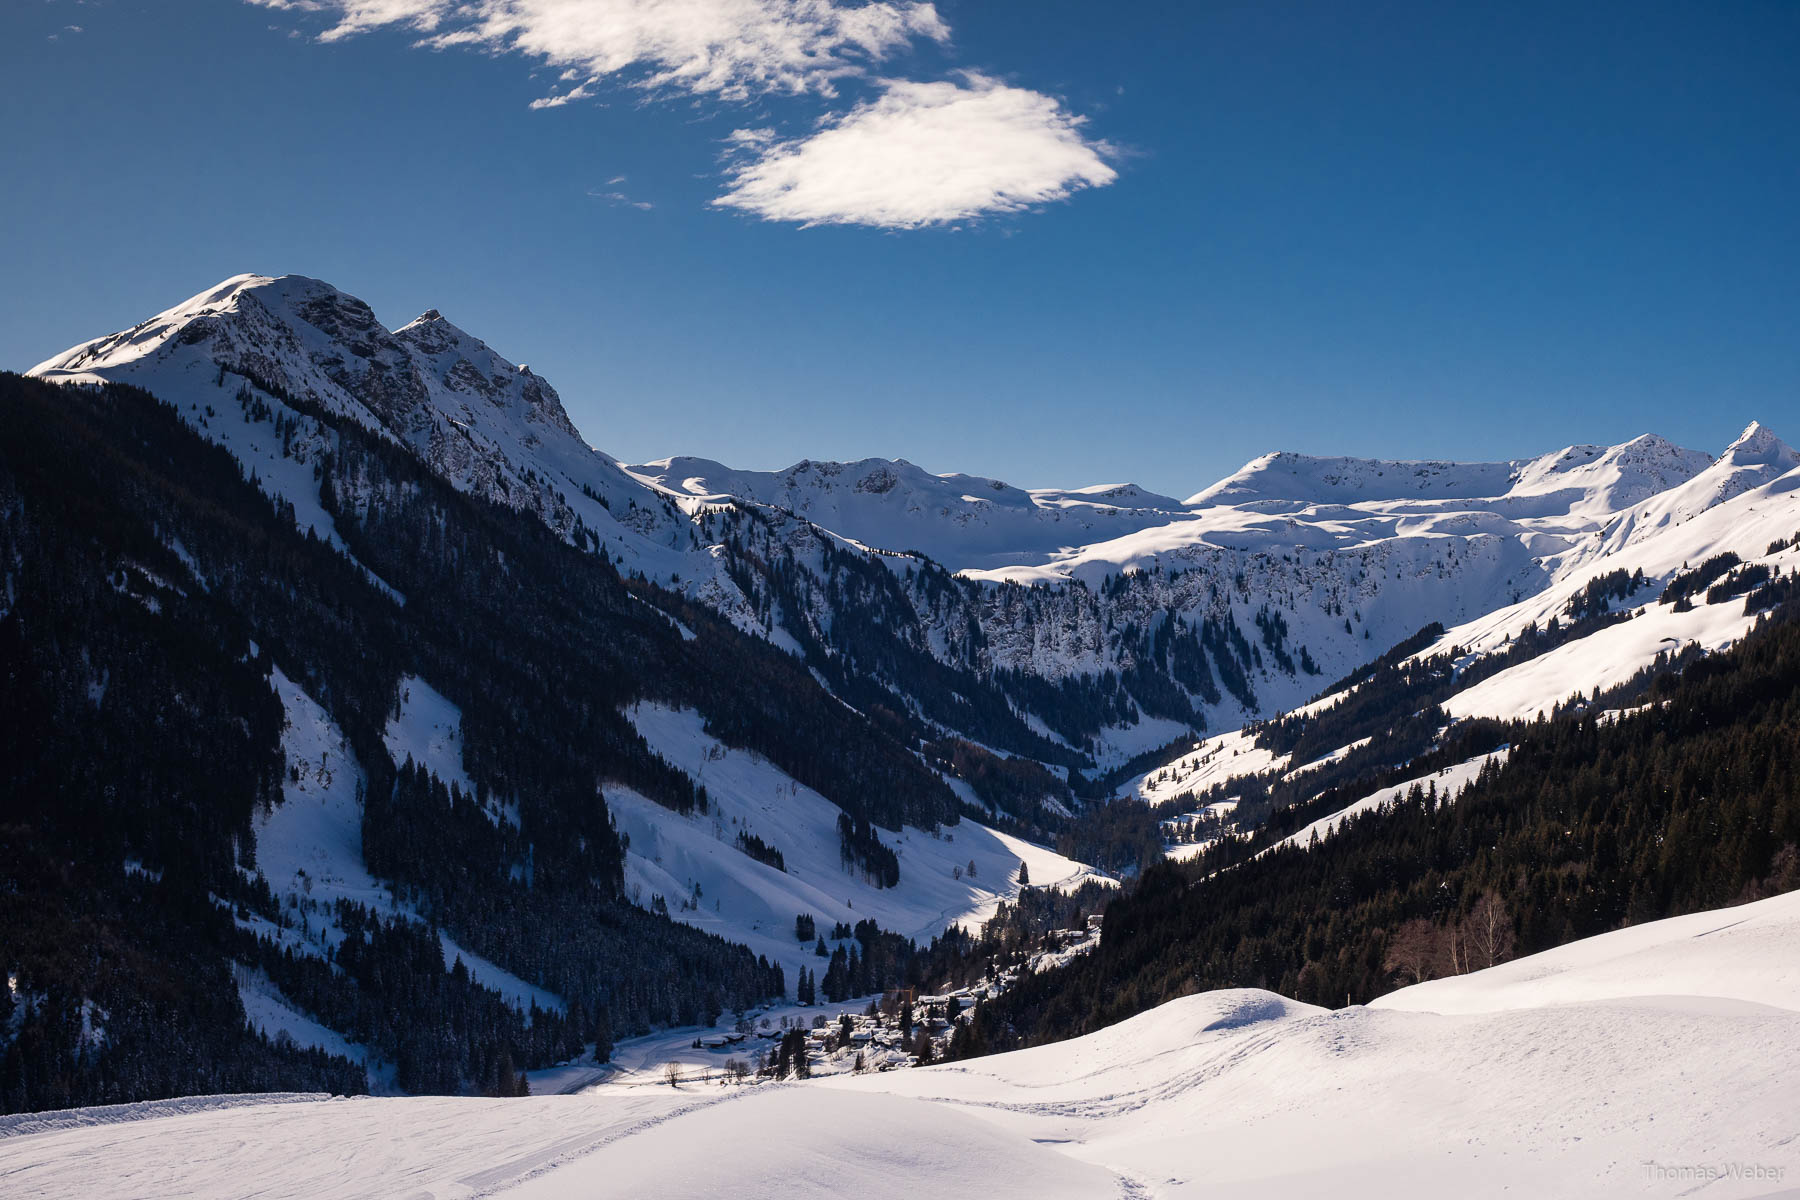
1645 1062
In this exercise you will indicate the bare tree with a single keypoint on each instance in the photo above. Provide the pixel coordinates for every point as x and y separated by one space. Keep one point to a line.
672 1073
1453 949
1412 953
1490 926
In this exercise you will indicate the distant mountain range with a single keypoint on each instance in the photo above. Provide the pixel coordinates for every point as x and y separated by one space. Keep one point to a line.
352 661
1138 618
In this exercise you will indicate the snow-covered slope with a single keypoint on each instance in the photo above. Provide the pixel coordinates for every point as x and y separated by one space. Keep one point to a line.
1749 954
1466 1088
309 849
1747 504
695 865
488 426
1445 784
1590 478
1658 1061
960 521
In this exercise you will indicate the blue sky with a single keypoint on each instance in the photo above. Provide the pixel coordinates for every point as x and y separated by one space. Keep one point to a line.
1055 243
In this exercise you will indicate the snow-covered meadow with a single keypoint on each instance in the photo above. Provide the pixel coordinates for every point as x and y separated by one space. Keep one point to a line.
1642 1063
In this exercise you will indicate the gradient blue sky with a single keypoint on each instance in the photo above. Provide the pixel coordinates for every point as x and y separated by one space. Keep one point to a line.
1400 229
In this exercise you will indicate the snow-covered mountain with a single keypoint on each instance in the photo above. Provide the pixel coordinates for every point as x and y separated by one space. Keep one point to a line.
1604 614
1080 626
1591 478
960 521
490 427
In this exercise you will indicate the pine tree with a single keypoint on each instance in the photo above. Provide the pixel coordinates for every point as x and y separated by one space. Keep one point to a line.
602 1035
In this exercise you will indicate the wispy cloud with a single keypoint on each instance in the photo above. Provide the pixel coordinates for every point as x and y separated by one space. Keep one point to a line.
920 154
622 198
731 48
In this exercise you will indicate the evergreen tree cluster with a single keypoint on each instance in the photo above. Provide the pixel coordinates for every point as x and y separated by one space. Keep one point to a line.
1124 835
1015 790
760 850
860 847
1690 583
1604 590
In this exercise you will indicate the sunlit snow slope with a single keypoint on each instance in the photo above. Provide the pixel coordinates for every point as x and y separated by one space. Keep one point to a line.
1746 504
1613 1067
487 425
694 864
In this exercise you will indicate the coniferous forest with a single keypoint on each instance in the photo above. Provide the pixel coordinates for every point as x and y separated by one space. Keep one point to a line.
150 590
1687 801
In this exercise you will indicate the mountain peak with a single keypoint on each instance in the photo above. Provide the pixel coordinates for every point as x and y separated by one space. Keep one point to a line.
1289 478
1758 443
431 329
323 343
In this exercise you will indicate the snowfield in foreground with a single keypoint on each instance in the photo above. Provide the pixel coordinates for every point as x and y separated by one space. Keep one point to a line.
1662 1060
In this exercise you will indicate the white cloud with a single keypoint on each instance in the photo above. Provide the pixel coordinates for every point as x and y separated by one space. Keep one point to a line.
731 48
921 154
